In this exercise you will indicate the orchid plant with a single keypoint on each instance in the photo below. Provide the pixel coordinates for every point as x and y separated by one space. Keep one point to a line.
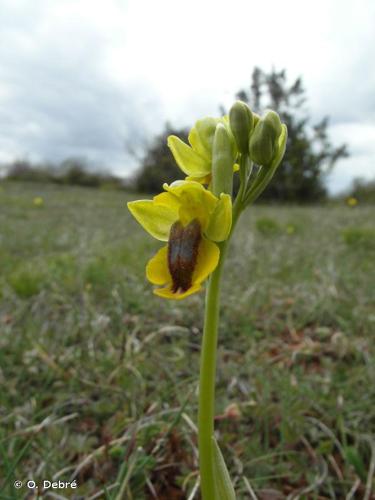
196 218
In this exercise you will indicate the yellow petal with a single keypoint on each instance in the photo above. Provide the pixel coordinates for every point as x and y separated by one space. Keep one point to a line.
194 191
167 199
202 180
195 201
221 219
155 218
197 204
157 268
178 187
205 128
208 258
167 293
190 162
197 145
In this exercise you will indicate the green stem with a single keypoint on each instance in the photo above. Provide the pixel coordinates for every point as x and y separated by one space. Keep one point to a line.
206 411
207 381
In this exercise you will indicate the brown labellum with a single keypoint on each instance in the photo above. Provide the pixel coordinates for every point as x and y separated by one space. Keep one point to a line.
183 247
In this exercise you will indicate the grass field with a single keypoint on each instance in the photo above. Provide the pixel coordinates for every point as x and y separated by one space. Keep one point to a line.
98 377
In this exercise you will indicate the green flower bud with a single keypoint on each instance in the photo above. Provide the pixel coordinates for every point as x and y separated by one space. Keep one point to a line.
222 161
256 119
241 123
263 143
225 121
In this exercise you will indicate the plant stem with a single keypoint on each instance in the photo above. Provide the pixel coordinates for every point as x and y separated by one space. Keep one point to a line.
207 381
206 411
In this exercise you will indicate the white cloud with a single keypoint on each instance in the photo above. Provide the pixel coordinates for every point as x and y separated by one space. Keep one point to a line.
361 163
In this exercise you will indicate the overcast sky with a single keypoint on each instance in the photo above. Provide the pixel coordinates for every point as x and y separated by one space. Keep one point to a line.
86 77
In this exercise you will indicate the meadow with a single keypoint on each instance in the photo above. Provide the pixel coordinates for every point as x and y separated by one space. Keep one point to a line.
98 377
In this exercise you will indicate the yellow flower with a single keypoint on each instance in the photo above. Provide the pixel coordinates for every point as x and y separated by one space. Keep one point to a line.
195 158
38 201
352 202
190 219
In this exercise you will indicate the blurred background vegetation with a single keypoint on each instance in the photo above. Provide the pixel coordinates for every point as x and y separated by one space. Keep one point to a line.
301 178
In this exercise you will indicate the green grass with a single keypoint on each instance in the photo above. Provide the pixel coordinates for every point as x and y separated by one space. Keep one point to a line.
98 376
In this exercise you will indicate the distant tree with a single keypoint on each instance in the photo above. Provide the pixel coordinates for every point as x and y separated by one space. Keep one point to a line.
75 171
157 165
309 154
24 170
72 171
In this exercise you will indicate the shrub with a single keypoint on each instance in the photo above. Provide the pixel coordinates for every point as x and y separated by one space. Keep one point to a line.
360 237
363 191
72 171
267 226
26 282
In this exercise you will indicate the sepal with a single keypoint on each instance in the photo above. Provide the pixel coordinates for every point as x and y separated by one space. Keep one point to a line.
155 218
221 219
189 161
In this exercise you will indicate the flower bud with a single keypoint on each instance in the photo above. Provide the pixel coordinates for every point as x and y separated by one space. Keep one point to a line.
256 119
222 161
263 143
241 123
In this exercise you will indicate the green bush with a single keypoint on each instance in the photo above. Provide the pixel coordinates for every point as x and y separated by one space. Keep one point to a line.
72 171
363 191
359 236
267 226
26 282
22 170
